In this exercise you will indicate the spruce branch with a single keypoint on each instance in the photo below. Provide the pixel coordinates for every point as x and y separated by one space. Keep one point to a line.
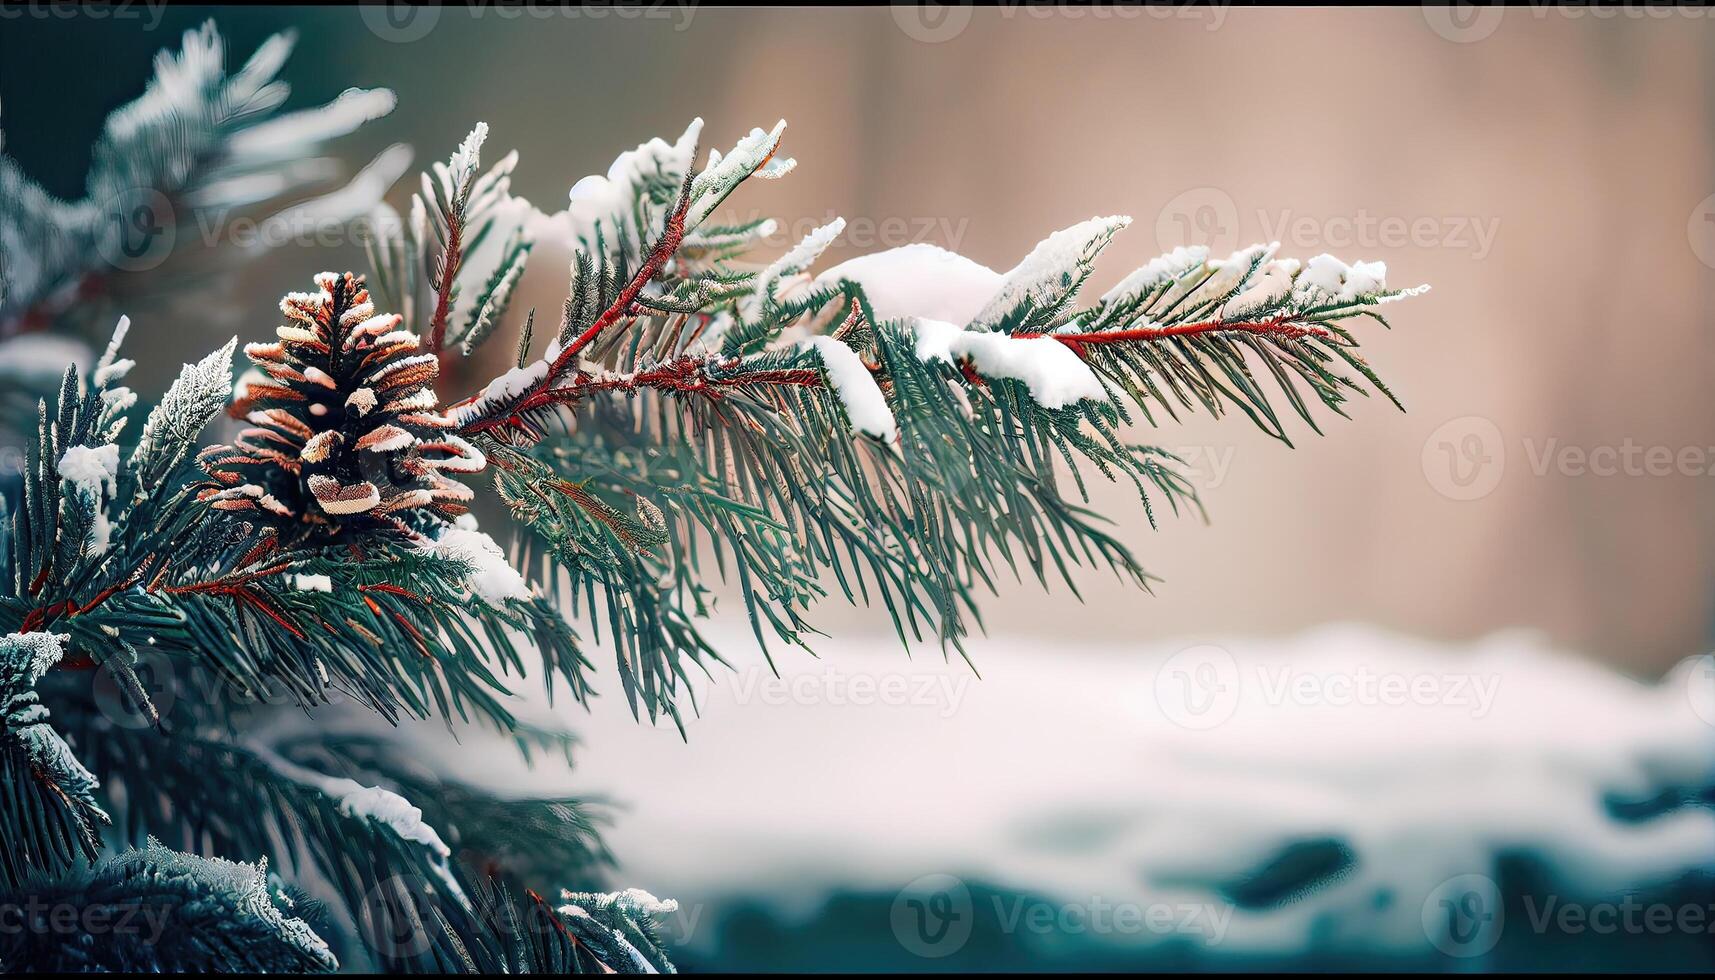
904 430
163 912
51 820
201 146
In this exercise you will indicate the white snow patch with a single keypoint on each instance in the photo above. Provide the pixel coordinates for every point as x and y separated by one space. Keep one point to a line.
607 200
42 651
503 389
312 583
94 470
373 803
919 280
1056 376
648 904
1162 268
935 339
1427 760
1328 275
864 403
723 172
90 467
1053 267
791 265
491 576
39 353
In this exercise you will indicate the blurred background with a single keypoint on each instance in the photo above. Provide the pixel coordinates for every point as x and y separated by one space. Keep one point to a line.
1539 523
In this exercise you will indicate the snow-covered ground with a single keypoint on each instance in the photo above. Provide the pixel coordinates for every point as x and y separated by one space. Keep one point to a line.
1346 792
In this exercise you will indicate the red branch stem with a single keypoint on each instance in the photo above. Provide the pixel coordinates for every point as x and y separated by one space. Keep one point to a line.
672 235
1280 326
40 617
444 288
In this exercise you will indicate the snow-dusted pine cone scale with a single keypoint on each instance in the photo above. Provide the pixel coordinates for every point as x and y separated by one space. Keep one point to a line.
346 430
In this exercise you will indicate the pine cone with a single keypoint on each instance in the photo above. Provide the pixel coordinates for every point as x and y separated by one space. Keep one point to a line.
347 434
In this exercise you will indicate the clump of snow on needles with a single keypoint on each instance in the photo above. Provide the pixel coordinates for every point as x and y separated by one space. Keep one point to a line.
1056 376
492 576
852 382
919 280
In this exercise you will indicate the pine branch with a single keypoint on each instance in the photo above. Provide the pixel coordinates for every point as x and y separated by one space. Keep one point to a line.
423 268
201 146
967 432
50 817
693 420
153 910
488 414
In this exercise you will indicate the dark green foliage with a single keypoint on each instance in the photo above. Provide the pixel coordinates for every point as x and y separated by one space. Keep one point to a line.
201 147
49 820
671 434
694 424
152 910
